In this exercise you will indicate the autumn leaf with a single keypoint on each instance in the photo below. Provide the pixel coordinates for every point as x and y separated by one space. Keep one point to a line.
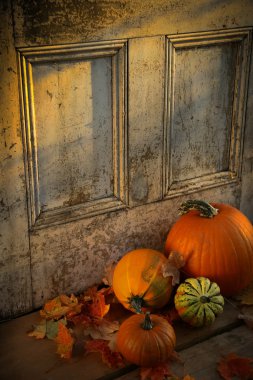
108 274
52 328
246 314
46 329
60 306
232 365
188 377
64 341
102 329
171 268
39 331
97 306
246 296
171 315
159 372
112 359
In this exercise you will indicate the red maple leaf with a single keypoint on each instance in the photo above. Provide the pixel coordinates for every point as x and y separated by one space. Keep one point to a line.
159 372
233 365
112 359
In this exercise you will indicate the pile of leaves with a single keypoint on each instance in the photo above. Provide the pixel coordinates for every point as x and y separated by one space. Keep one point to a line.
71 320
84 321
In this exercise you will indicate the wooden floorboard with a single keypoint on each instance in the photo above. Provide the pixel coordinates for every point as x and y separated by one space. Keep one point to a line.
25 358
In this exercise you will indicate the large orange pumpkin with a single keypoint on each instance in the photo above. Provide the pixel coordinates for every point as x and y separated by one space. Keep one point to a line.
146 341
216 242
138 281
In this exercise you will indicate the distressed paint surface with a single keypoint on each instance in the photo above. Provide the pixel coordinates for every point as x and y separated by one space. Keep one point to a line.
74 136
72 256
69 258
15 276
43 22
203 100
146 103
246 201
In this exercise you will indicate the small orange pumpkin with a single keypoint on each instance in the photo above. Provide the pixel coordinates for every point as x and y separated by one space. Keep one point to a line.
216 242
138 281
146 341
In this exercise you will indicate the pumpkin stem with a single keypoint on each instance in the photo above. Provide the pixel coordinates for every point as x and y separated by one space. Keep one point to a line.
206 210
136 303
147 324
204 299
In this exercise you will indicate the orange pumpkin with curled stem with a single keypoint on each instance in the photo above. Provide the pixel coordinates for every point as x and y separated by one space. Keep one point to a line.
138 280
146 340
216 241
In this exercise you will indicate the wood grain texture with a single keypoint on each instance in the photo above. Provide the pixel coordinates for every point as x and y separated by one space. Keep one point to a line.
146 103
15 275
31 358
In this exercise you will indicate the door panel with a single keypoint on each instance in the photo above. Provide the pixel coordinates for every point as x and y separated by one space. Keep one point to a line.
128 108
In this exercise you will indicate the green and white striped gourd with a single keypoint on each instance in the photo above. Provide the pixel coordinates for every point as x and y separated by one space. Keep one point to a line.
198 301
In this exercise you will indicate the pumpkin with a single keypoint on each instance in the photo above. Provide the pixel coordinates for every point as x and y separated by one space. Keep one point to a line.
198 301
146 340
216 242
138 281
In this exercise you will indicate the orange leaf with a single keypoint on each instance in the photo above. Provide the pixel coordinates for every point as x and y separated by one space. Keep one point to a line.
188 377
112 359
233 365
64 341
97 306
159 372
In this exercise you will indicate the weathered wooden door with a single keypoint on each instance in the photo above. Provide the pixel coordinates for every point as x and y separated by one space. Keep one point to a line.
122 119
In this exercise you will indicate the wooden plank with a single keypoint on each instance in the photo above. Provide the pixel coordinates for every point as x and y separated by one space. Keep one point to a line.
146 103
15 270
31 358
200 360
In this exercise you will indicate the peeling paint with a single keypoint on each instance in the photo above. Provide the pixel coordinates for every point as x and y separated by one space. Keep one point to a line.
37 265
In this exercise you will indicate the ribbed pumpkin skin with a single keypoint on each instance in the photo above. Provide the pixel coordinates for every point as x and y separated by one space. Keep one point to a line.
198 301
146 348
219 248
139 274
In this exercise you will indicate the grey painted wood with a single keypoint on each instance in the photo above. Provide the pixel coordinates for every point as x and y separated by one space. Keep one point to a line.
15 275
146 104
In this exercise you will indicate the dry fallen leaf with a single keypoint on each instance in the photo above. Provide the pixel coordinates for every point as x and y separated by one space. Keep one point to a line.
113 359
171 315
96 302
108 275
232 365
60 306
246 313
171 268
39 331
46 329
159 372
102 329
246 296
64 341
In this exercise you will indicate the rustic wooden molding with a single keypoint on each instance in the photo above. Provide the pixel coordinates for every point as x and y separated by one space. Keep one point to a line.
242 38
27 58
